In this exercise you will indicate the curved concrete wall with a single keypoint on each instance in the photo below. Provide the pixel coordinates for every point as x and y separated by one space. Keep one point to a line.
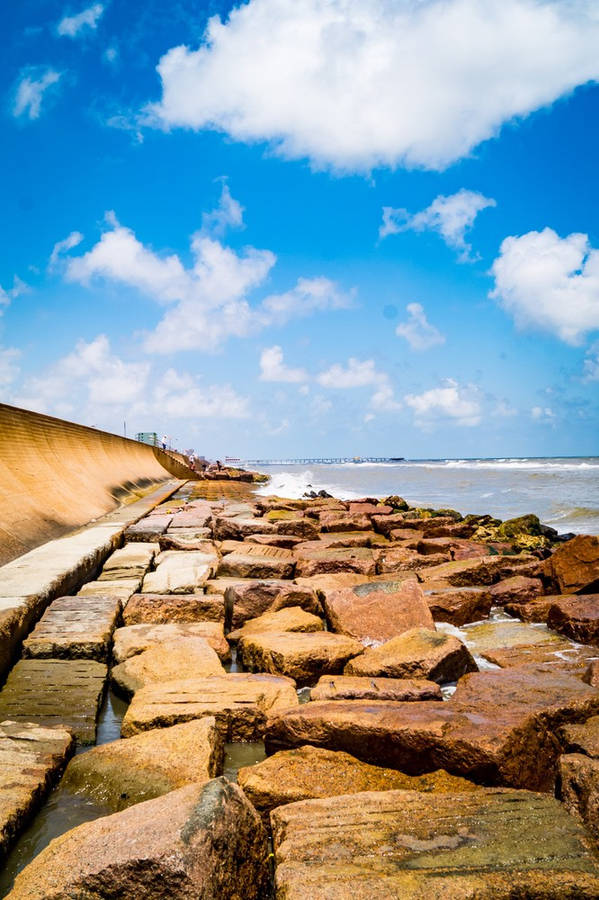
56 476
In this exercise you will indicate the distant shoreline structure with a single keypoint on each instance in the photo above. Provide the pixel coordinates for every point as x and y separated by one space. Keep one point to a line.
326 460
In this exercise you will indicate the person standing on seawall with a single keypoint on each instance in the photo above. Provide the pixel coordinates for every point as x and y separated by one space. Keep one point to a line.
164 441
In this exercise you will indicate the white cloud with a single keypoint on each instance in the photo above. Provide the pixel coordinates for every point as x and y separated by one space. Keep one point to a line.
18 287
208 300
272 367
355 84
96 382
550 283
111 55
31 89
460 405
9 368
361 373
418 331
543 414
60 247
591 363
228 214
72 26
450 216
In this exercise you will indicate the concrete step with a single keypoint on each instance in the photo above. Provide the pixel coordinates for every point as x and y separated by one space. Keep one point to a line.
75 628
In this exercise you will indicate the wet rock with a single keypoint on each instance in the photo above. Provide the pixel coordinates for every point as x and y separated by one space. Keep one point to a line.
578 788
131 561
31 760
186 539
574 566
510 633
577 617
414 845
582 738
498 728
567 657
303 657
458 606
199 841
325 562
517 589
134 639
239 702
170 660
121 773
377 616
311 772
354 687
180 572
74 629
161 609
417 653
292 618
250 599
258 561
56 693
531 611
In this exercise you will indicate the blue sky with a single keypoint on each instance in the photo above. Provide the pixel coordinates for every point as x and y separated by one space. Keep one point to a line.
297 227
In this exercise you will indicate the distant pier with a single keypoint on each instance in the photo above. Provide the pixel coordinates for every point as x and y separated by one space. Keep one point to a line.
323 460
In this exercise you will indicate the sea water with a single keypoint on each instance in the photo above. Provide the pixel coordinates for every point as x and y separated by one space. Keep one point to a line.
563 492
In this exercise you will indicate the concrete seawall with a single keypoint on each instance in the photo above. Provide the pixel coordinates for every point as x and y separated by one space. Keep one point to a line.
56 476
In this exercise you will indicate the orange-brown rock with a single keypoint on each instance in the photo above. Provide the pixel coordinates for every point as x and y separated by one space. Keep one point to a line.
574 566
531 611
355 687
377 616
591 673
367 508
337 521
239 702
400 559
498 728
336 581
199 841
324 562
134 639
170 660
116 775
458 606
482 571
303 657
250 599
160 609
258 561
235 528
480 844
578 788
287 541
457 548
417 653
517 589
291 618
567 657
336 539
582 738
577 617
310 772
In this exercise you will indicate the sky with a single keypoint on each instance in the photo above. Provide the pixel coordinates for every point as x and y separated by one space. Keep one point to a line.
291 228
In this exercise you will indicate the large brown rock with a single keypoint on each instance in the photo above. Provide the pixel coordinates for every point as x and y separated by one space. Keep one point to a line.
258 561
577 617
132 560
355 687
291 618
186 539
116 775
250 599
239 702
134 639
517 589
401 559
344 521
180 572
162 609
574 566
578 788
74 629
31 760
458 606
196 516
566 656
487 844
484 570
236 528
148 529
532 610
324 562
498 728
310 772
171 660
303 657
377 616
417 653
199 841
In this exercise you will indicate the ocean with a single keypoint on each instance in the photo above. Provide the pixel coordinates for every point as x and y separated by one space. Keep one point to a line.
562 492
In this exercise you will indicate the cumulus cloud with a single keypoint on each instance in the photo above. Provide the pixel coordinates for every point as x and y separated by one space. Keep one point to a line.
272 367
549 283
228 214
60 247
361 373
72 26
591 363
418 331
354 84
94 381
449 403
542 414
18 287
209 300
450 216
31 90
